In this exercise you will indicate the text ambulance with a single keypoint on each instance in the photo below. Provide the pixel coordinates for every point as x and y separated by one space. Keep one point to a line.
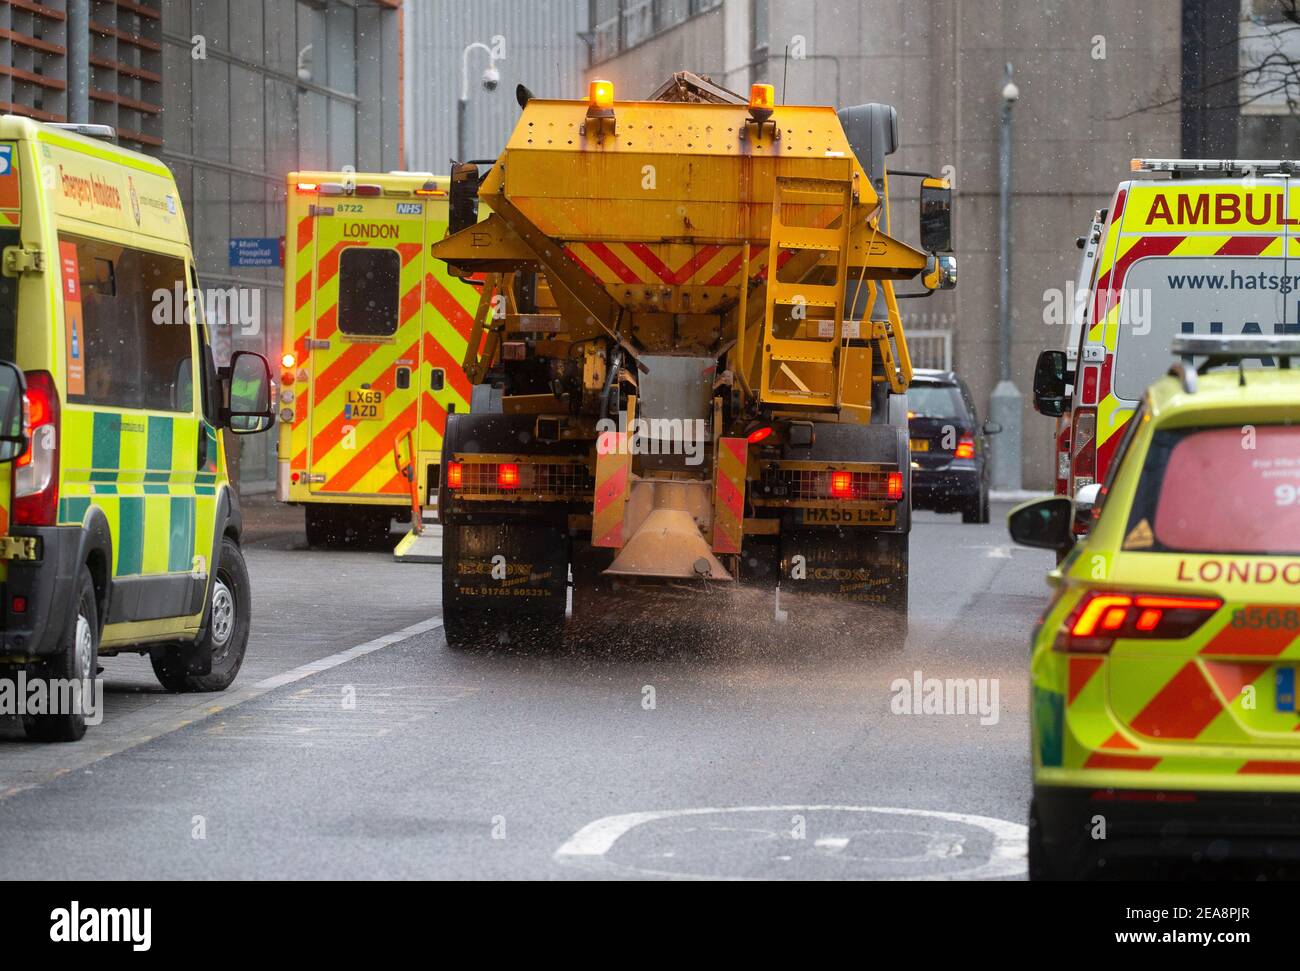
1212 249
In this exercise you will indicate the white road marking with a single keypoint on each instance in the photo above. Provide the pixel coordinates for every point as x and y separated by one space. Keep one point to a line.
588 847
147 724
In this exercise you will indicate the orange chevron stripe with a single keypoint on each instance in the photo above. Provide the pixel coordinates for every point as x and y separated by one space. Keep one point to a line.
1136 763
342 368
306 232
328 323
438 356
332 434
411 304
304 292
445 302
409 251
434 414
1081 671
1182 709
328 266
377 448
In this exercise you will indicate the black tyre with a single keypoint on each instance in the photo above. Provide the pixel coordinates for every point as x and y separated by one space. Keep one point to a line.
853 588
976 510
321 526
77 661
1054 859
525 606
226 639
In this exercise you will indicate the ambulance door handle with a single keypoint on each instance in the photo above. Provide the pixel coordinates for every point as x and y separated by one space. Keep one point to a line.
403 378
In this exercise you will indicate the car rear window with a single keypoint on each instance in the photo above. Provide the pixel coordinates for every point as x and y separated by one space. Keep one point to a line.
1234 489
935 401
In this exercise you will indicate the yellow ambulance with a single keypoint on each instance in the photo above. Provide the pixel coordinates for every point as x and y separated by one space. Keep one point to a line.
119 529
375 335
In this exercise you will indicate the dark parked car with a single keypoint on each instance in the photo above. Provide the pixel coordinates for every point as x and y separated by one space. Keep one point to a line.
950 470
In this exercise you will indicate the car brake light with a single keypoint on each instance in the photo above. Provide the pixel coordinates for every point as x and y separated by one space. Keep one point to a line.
36 473
507 476
455 475
965 448
894 487
1100 618
842 485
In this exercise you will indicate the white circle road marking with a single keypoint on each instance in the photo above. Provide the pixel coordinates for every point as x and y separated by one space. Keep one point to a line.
588 847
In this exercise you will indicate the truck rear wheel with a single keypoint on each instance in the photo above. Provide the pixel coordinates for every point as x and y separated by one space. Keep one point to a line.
846 584
76 662
504 584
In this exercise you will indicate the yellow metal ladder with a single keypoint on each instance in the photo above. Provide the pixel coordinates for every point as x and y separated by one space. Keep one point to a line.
800 349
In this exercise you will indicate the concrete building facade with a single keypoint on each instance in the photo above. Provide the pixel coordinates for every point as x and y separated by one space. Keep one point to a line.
1088 75
232 95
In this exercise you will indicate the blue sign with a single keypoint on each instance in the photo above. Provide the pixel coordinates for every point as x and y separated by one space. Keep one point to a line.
250 251
6 159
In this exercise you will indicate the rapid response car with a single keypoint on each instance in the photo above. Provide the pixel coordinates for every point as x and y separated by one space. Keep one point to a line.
1164 716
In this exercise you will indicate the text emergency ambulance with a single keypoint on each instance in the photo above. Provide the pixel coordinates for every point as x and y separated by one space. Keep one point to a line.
119 528
374 338
1212 248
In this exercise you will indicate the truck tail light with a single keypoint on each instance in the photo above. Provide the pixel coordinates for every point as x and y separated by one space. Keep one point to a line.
841 485
36 473
507 476
1103 616
894 485
455 475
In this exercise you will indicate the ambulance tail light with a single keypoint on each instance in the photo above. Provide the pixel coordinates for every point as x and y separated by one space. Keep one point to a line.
308 188
1083 467
36 473
1102 617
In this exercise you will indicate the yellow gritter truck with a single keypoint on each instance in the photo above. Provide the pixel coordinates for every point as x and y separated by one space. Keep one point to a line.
690 397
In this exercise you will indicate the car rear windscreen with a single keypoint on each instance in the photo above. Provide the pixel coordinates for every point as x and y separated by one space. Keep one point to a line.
935 401
1234 489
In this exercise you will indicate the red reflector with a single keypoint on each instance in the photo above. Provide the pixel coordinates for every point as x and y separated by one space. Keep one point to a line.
507 476
842 485
369 190
19 605
895 485
294 478
455 475
1091 378
758 434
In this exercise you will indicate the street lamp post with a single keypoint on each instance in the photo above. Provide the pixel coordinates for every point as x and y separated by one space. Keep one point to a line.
1005 403
491 77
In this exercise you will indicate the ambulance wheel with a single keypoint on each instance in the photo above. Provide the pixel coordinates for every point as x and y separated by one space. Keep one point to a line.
322 527
226 639
77 660
479 610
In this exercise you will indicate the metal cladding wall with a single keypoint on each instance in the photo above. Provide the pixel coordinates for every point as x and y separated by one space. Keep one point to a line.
542 50
253 90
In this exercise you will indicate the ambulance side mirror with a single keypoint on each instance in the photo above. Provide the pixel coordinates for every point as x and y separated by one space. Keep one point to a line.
246 389
13 430
1050 380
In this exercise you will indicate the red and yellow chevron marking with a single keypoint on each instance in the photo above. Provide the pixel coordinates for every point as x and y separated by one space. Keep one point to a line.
729 495
613 484
435 313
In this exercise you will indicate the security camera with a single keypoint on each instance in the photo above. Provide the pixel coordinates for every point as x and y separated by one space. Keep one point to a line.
491 78
1010 92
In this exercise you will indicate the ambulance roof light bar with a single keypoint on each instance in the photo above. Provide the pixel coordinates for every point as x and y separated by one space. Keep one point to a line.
1216 166
1229 349
106 132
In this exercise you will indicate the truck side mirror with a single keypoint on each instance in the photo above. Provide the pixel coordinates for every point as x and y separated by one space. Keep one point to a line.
1046 524
248 393
936 216
462 201
1050 379
13 431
